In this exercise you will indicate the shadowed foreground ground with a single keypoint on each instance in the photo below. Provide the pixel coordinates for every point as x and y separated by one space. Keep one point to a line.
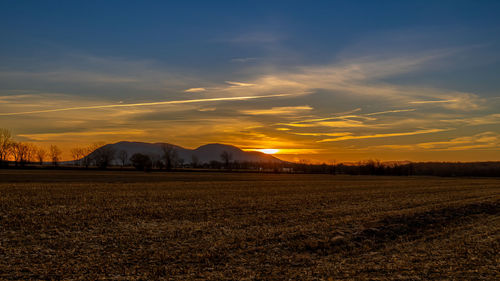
122 226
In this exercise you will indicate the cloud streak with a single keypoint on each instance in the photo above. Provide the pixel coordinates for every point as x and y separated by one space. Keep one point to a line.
195 90
328 106
351 137
431 101
486 140
284 110
107 106
52 136
344 120
239 84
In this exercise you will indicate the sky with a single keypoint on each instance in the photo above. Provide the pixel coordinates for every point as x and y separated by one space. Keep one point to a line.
322 81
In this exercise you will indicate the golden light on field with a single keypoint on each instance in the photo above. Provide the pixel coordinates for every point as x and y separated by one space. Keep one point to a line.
268 150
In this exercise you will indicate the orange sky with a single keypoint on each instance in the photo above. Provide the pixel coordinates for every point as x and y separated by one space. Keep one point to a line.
296 124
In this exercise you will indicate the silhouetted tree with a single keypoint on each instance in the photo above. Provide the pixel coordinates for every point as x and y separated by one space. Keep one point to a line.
88 158
333 167
76 155
79 155
40 155
23 153
169 155
141 162
226 158
104 156
5 146
123 157
20 152
55 154
32 153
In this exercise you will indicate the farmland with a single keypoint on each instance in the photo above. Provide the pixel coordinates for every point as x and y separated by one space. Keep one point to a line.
226 226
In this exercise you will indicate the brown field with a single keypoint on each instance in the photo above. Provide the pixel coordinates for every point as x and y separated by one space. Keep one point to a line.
182 226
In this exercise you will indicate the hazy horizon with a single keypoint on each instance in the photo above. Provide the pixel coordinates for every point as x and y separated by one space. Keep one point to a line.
329 81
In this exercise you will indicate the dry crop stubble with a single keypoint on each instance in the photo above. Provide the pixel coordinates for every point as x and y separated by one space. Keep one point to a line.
127 225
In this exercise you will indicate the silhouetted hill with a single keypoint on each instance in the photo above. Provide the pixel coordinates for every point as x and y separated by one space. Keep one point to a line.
204 153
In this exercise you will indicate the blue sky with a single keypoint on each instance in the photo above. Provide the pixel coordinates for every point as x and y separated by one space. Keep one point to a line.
433 65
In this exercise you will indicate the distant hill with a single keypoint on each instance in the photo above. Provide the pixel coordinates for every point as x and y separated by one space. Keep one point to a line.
205 153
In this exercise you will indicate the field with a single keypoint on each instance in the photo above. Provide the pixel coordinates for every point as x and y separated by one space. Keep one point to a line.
185 226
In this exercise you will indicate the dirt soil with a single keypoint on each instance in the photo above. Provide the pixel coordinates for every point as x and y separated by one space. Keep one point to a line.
98 225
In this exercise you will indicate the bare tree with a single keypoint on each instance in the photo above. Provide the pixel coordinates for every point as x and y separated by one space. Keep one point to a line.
226 158
55 154
40 155
5 145
31 155
78 154
141 162
123 157
19 151
104 156
14 151
23 153
169 155
75 154
88 155
87 158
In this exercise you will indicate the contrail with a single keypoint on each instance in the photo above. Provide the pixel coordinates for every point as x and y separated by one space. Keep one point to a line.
141 104
390 111
431 101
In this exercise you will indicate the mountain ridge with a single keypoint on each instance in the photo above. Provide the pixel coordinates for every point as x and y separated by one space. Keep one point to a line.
204 153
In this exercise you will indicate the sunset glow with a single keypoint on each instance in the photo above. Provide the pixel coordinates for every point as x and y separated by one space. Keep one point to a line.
404 89
249 140
268 150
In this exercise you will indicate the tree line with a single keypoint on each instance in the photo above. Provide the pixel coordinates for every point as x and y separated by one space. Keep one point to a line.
25 153
103 156
20 154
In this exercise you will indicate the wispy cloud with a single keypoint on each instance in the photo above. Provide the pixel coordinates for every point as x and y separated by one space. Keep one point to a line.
142 104
195 90
380 107
74 73
339 134
344 120
481 140
340 115
53 136
205 109
353 137
283 110
346 123
431 101
486 140
239 84
456 101
365 77
390 111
